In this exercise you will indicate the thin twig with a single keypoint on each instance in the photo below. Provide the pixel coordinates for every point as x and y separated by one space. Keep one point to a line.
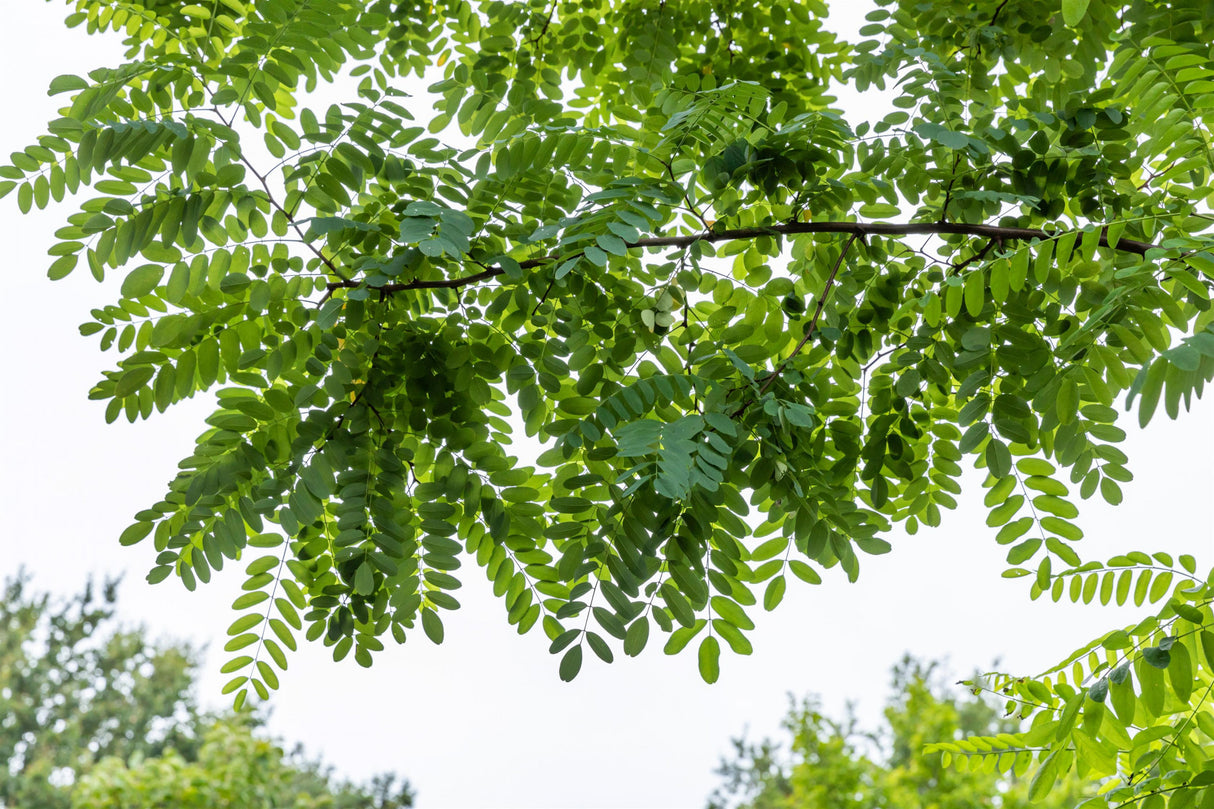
995 16
948 192
770 379
686 195
543 297
261 178
981 254
813 323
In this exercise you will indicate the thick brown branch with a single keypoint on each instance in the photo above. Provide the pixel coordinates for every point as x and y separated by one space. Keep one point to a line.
855 229
883 229
446 283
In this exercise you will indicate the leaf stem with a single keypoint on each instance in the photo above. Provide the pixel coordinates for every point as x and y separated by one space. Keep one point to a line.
809 331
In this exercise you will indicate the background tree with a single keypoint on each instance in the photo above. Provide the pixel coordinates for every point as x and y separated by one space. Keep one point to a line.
825 762
81 696
75 688
234 769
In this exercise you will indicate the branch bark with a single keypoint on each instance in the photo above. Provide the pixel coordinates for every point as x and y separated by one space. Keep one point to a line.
855 229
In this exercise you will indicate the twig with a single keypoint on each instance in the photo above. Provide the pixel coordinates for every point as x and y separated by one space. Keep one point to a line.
686 196
543 297
948 192
981 254
809 331
261 178
547 22
813 323
998 11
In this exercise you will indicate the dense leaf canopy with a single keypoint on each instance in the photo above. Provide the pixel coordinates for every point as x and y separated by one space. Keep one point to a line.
746 332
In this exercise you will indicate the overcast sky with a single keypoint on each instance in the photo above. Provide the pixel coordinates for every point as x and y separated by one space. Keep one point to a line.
483 720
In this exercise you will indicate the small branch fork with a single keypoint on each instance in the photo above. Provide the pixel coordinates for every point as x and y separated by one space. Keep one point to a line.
813 322
981 254
859 230
265 184
809 331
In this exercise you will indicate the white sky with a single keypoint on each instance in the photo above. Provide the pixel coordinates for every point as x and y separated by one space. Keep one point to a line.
484 720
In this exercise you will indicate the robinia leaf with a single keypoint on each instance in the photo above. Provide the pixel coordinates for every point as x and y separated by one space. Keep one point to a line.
432 625
141 281
1043 780
66 83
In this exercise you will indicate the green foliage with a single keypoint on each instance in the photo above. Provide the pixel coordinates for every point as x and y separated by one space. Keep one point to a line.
837 764
746 334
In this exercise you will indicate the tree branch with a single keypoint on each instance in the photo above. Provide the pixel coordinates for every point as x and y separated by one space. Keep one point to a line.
446 283
813 322
981 254
809 331
855 229
883 229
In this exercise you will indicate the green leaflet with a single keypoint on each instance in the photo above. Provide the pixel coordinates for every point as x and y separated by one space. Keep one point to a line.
710 659
1073 11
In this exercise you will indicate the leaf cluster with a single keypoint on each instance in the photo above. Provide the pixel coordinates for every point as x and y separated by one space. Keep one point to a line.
1129 711
643 237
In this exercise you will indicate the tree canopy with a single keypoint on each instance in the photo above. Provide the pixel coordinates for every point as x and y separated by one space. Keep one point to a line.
840 764
233 768
98 716
75 688
746 332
